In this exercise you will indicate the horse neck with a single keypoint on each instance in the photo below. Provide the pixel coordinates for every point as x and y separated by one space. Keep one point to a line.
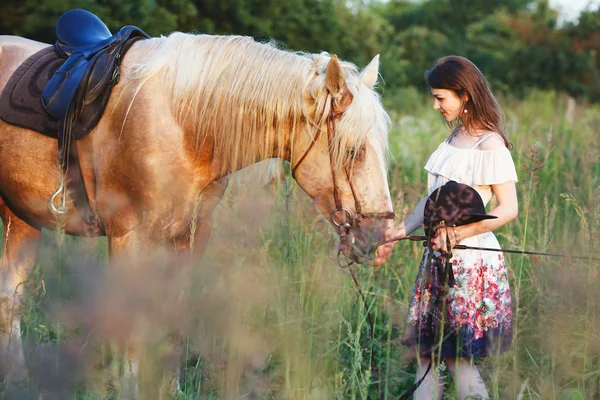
242 100
234 142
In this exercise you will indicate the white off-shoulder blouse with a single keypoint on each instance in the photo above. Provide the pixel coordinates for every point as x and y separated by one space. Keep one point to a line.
477 168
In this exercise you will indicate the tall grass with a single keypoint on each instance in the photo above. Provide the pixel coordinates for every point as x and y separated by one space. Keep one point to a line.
268 314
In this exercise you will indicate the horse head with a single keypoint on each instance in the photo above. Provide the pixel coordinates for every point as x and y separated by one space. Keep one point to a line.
341 162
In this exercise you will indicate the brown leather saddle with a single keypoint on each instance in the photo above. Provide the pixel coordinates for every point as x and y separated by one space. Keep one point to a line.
62 92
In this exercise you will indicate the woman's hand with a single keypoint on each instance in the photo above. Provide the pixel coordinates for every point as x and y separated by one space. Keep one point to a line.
438 242
397 233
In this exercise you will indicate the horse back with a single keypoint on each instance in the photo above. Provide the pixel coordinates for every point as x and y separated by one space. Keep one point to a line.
13 51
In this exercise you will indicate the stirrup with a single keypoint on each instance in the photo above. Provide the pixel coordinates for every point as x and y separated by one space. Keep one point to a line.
62 209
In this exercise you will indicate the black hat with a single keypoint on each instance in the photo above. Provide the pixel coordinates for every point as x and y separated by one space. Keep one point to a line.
453 204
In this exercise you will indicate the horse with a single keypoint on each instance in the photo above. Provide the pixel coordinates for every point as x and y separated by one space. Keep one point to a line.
190 110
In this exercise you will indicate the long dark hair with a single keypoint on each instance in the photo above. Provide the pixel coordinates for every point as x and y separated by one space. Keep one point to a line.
461 76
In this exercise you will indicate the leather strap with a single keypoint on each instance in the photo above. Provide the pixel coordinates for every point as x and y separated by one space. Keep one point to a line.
71 168
415 385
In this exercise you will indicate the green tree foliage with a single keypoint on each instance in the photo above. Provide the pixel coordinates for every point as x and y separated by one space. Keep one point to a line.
584 41
348 29
424 32
36 20
518 44
307 25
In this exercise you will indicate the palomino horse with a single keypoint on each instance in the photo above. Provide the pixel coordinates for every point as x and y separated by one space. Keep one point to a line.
188 111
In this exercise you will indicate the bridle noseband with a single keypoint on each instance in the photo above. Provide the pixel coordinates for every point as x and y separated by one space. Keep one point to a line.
349 220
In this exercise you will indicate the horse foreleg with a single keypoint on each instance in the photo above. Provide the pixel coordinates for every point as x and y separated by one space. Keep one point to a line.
140 371
193 243
124 354
19 255
189 248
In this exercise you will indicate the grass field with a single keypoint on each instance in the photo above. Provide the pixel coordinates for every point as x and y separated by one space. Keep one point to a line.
268 314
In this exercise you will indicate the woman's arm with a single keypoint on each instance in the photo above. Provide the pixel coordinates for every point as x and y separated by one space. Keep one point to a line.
412 222
506 211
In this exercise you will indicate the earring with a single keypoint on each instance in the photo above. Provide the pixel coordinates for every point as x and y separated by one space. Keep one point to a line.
465 111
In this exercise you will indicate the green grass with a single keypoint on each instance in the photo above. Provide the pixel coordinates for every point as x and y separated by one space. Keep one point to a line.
269 314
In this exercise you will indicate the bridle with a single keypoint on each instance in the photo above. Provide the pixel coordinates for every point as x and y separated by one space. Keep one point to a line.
350 221
341 217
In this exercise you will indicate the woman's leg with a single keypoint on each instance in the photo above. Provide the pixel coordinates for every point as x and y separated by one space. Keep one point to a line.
467 378
433 385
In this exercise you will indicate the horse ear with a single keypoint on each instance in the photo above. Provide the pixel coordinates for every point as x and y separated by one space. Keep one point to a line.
371 72
334 74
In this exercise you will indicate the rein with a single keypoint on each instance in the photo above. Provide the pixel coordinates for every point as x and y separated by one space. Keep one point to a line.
465 247
345 225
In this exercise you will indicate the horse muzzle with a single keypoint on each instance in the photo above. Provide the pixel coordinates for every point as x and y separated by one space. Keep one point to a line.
364 243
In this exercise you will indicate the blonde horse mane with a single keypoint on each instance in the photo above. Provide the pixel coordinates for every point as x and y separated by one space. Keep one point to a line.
242 95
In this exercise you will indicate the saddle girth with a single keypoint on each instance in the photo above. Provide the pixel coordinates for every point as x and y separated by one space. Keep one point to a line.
78 92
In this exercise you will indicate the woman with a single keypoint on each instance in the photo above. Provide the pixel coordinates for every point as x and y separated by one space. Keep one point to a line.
477 307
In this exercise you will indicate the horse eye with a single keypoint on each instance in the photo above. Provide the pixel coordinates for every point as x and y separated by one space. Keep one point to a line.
353 152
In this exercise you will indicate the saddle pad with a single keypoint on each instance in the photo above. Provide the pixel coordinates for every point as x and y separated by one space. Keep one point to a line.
20 102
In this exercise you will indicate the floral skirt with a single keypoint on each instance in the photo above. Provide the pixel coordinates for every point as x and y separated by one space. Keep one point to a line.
462 311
